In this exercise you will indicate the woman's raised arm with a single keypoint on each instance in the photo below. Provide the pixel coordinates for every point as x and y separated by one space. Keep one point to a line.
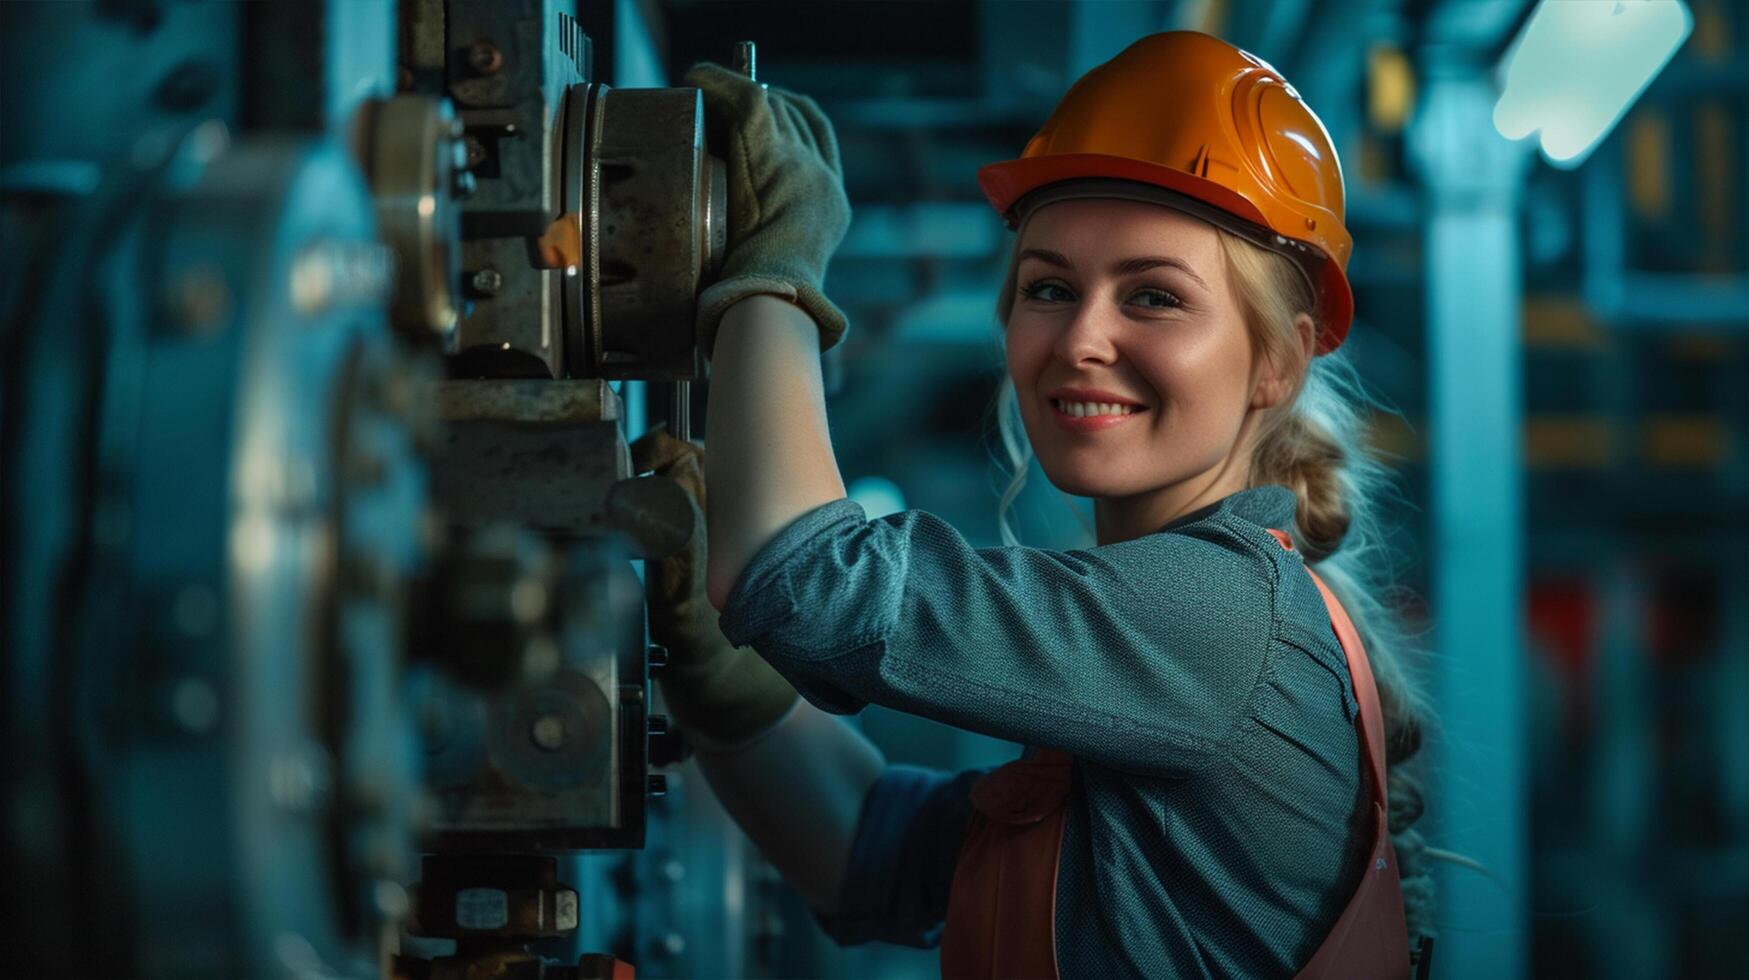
771 456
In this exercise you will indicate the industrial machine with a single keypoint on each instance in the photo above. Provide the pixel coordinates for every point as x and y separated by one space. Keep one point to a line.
324 644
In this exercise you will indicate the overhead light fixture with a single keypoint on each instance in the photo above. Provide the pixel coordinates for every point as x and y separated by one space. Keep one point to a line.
1578 65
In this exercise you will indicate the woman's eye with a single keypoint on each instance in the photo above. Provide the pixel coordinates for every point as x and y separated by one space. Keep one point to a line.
1049 292
1156 298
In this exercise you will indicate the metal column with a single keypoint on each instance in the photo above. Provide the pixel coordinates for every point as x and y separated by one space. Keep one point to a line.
1479 805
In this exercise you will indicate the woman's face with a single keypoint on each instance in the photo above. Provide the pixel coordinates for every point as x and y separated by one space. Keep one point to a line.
1129 354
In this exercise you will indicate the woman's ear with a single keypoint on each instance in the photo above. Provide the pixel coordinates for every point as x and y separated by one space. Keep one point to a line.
1278 380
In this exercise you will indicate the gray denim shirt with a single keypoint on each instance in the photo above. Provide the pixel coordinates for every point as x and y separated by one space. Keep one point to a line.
1217 818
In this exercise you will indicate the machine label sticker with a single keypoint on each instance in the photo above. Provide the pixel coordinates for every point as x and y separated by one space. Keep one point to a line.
482 908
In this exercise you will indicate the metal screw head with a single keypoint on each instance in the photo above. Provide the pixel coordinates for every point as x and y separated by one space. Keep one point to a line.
487 282
485 58
476 150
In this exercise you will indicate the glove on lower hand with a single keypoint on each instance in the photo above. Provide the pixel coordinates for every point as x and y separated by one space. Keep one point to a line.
719 696
787 207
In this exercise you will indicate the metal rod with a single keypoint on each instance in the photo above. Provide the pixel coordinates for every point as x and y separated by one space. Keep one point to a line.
680 410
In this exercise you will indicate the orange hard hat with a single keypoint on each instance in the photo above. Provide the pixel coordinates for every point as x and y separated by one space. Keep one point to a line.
1220 131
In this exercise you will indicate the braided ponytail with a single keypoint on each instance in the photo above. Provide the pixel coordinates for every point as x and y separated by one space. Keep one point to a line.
1315 444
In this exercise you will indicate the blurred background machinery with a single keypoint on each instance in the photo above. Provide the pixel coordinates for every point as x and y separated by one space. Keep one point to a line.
321 620
291 668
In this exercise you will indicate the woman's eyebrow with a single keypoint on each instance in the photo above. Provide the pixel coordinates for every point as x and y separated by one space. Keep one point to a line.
1126 267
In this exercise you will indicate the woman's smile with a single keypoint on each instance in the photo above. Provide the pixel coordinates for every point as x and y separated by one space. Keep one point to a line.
1088 416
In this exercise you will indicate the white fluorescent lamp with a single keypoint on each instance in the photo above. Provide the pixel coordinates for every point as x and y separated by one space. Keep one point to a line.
1579 64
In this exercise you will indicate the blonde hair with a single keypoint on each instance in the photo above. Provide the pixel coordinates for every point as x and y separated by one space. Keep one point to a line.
1313 443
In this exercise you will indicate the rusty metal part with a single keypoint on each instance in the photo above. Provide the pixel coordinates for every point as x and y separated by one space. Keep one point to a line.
485 58
411 162
513 115
637 174
580 754
553 476
545 453
555 758
527 401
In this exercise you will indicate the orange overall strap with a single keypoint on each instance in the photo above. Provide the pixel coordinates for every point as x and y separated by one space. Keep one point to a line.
1001 911
1370 938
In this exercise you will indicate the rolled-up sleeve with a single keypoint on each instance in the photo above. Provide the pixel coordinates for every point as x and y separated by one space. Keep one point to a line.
902 861
1140 655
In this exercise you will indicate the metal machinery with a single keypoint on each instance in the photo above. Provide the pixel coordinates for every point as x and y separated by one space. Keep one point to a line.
324 648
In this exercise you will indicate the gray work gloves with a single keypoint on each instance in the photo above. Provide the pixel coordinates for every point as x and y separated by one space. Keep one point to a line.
719 696
787 209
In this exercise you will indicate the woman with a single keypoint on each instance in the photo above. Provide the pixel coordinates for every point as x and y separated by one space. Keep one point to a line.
1203 789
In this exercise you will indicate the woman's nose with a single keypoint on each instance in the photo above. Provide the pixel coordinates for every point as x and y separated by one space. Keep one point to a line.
1088 335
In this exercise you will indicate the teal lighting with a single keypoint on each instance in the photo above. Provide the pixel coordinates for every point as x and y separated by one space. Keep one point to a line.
878 496
1578 65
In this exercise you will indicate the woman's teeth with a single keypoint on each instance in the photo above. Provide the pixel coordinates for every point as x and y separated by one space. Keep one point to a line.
1084 409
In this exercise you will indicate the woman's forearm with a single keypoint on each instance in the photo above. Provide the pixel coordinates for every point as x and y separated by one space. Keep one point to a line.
770 458
797 792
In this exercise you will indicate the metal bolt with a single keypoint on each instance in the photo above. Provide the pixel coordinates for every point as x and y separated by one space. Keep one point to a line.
565 910
548 733
657 656
487 282
476 150
658 784
485 58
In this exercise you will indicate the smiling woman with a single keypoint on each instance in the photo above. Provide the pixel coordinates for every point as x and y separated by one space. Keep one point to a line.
1101 316
1209 751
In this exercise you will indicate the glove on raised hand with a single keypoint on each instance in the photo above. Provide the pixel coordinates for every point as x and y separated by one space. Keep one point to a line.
787 208
719 696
